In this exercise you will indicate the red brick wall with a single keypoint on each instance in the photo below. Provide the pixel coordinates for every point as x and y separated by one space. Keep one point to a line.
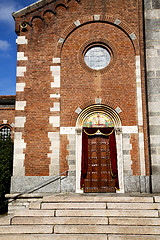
78 85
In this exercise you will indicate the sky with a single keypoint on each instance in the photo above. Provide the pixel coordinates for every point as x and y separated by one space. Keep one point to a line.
8 47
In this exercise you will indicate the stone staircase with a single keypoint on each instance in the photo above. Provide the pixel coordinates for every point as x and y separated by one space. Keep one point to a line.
84 216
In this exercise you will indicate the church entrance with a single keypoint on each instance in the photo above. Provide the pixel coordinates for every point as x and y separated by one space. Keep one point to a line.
99 173
98 151
99 178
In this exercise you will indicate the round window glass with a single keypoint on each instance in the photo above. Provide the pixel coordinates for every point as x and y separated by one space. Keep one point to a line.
97 57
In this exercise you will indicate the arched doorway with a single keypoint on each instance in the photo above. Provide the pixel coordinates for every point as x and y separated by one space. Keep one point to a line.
98 122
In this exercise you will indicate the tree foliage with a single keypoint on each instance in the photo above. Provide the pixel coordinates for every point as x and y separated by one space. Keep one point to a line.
6 165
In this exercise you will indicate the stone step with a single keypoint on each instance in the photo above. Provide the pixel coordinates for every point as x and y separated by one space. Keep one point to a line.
73 206
151 206
77 237
106 229
30 213
100 205
85 217
131 237
54 237
85 221
100 198
106 213
27 237
36 229
135 221
59 220
5 220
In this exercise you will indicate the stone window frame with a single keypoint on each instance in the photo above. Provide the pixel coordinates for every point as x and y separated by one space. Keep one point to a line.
102 46
97 42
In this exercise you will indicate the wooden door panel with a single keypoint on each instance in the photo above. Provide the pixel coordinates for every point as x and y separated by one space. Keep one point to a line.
99 177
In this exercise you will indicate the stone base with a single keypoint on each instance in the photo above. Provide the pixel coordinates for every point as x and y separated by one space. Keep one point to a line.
21 184
155 183
132 184
138 184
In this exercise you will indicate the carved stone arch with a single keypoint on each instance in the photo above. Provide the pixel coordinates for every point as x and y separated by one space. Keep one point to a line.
117 22
110 112
83 105
96 108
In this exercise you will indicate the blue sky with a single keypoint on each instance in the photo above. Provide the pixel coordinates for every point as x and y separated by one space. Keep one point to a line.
8 48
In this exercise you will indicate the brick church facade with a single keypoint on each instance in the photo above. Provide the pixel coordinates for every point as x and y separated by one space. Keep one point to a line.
87 69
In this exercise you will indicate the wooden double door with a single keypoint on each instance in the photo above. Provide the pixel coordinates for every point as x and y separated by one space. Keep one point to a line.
99 178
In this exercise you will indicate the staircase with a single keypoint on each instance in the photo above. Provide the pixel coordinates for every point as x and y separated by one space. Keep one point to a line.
85 216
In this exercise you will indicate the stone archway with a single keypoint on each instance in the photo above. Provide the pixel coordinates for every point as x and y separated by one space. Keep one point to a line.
116 121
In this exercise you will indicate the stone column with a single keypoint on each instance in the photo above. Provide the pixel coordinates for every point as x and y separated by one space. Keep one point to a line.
152 26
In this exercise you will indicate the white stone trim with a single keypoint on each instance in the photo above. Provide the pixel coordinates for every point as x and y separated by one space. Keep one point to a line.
18 135
118 110
98 100
139 91
20 87
55 95
56 74
117 21
55 70
20 121
140 115
78 162
56 107
20 105
21 57
96 17
67 130
21 71
5 121
21 40
54 138
19 156
129 129
133 36
77 23
56 60
61 40
55 121
78 110
142 155
120 163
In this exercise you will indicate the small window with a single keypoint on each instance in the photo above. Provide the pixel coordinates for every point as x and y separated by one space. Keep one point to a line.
97 57
5 132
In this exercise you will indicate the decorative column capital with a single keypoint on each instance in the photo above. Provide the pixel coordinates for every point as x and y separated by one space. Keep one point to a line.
78 131
118 131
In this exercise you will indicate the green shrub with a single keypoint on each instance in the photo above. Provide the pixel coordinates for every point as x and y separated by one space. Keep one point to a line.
6 165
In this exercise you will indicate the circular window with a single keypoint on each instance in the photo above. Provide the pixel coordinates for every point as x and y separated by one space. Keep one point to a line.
97 57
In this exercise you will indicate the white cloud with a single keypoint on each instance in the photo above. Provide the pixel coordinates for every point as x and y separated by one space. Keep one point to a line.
6 10
4 45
